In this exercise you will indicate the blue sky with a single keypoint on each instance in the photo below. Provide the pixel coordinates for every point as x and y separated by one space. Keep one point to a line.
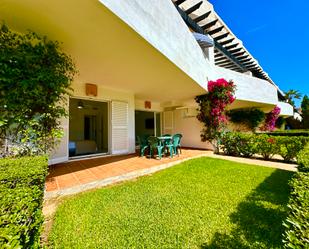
276 33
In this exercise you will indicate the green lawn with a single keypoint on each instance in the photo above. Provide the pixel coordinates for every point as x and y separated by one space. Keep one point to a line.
202 203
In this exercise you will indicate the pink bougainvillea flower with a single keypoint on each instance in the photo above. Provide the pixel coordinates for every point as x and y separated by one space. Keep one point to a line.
211 85
271 118
221 94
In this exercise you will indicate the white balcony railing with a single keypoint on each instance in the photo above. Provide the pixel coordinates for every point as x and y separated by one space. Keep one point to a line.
249 88
286 109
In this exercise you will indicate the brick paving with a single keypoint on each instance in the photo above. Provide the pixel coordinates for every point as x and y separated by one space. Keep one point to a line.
79 172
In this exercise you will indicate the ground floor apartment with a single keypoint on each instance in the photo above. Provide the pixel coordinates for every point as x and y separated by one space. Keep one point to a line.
139 69
109 124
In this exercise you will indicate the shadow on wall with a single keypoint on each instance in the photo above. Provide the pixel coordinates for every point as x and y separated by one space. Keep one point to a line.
258 219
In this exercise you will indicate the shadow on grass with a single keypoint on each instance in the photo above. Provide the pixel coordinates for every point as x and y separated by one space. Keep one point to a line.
258 219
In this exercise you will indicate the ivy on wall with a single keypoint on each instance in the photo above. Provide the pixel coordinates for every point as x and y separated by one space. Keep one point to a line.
250 117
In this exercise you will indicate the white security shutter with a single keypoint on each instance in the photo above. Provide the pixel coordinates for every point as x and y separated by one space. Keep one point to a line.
120 138
168 122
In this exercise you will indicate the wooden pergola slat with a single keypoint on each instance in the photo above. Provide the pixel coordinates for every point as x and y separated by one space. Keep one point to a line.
194 8
202 17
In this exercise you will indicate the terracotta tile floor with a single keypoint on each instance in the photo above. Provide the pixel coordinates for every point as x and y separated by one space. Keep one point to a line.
74 173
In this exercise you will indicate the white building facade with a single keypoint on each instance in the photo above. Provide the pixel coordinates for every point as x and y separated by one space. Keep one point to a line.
140 66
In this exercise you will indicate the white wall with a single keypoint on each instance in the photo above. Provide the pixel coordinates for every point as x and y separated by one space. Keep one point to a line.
286 109
155 106
158 22
190 128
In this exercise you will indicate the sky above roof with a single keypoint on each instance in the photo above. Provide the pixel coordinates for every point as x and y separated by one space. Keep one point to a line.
276 33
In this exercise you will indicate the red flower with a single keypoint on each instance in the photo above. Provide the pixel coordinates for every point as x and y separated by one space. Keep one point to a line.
271 118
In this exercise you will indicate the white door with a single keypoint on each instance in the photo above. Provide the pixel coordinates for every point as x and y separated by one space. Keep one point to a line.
168 122
120 136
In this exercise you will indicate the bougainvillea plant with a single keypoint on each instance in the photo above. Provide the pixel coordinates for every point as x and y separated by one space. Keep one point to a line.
212 109
270 120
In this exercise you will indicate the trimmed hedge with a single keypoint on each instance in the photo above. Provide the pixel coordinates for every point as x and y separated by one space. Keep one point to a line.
247 145
303 159
289 133
296 233
22 183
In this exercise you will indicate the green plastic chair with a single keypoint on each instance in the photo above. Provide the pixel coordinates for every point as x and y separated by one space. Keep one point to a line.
143 144
176 143
169 146
167 141
155 144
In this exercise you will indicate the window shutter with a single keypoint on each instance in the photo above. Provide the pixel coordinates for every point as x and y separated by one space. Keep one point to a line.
168 122
120 141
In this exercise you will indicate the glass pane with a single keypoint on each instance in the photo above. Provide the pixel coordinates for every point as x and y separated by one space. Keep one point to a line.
144 124
88 127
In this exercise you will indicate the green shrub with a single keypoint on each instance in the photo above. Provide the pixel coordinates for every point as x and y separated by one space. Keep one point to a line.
267 146
239 144
247 145
296 233
229 143
21 189
303 159
289 147
252 117
290 133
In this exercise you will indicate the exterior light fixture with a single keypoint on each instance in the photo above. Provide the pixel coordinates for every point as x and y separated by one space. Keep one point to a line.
80 105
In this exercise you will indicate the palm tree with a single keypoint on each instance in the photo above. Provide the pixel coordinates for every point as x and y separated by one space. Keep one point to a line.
291 95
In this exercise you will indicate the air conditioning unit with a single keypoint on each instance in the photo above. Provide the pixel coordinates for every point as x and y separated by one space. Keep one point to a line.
190 112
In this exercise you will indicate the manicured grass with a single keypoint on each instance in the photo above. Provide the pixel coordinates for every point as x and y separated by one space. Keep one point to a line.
202 203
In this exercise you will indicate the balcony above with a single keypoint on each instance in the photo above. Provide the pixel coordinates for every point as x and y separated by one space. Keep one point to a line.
249 88
286 109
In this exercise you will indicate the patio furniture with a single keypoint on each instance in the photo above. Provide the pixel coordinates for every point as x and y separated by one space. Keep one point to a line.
143 144
166 141
155 144
176 143
166 135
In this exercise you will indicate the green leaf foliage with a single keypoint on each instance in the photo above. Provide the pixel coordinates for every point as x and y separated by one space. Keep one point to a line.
289 147
305 112
21 189
35 77
239 144
303 159
247 145
296 233
251 117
